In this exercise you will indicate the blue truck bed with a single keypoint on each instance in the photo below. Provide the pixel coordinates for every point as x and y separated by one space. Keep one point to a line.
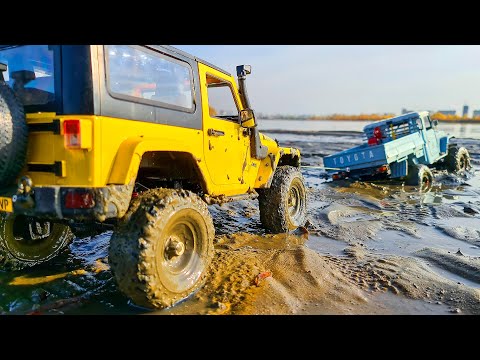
366 155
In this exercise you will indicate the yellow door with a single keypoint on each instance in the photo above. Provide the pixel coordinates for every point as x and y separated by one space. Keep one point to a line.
226 145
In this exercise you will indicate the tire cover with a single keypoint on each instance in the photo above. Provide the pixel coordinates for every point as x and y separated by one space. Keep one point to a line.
13 136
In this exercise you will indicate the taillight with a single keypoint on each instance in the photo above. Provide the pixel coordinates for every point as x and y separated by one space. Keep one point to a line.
382 169
72 134
336 177
372 141
79 199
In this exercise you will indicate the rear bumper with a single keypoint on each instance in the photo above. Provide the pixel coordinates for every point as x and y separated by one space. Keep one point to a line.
365 172
49 202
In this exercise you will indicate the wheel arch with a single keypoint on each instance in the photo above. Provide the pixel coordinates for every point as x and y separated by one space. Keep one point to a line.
444 143
292 159
281 157
135 154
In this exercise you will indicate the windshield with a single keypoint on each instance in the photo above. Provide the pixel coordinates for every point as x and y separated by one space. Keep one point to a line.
30 73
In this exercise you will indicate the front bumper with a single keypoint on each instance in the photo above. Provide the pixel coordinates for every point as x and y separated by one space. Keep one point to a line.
110 201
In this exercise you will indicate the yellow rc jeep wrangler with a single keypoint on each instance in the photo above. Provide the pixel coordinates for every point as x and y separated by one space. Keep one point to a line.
139 137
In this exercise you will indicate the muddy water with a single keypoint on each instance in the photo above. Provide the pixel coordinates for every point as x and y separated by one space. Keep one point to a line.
371 248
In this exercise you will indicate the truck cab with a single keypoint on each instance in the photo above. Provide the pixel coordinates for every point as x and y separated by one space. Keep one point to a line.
434 141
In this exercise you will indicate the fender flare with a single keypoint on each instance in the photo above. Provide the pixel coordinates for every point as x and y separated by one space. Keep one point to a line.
129 156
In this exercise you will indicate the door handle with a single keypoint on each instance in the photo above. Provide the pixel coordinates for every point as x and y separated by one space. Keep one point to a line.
213 132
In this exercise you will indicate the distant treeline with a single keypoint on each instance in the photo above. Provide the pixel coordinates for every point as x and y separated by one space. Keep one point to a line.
376 117
443 117
364 117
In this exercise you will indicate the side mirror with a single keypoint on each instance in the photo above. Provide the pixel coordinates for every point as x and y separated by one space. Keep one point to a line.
244 70
3 67
435 123
247 118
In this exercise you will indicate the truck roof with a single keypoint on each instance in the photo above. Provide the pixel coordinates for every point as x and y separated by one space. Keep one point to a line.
190 56
171 48
395 120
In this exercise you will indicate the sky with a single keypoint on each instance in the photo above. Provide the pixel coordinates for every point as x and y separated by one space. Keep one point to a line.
353 79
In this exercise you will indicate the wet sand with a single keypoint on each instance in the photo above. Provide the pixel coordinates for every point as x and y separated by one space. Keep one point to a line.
371 248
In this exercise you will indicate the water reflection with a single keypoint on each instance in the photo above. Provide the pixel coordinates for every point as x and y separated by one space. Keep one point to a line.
437 198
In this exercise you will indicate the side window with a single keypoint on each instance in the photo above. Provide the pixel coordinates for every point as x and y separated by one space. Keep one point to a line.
221 102
428 123
149 77
419 123
30 73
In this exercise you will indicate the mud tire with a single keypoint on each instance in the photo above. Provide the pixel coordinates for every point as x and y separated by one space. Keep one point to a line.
18 250
13 135
458 159
276 215
420 175
140 249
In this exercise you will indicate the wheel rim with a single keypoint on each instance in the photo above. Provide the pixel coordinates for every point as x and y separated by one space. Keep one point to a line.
181 259
32 240
463 162
426 182
295 201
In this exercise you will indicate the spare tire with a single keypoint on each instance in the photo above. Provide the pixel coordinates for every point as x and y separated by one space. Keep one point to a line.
13 135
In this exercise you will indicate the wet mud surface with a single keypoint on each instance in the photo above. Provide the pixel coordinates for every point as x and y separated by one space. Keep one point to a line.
369 248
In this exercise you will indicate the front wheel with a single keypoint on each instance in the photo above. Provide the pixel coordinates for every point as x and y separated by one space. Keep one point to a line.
283 206
458 159
27 241
161 252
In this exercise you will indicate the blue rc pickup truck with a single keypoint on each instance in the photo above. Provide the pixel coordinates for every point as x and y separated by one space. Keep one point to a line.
405 147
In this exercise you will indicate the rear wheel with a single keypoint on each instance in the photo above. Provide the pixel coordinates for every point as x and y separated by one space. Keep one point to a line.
283 206
27 241
13 135
160 253
421 176
458 159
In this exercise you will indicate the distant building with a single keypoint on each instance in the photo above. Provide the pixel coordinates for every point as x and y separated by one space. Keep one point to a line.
476 113
447 112
465 110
